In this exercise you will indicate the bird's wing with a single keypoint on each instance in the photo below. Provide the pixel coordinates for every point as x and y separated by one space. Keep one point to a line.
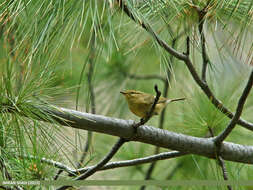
147 99
162 100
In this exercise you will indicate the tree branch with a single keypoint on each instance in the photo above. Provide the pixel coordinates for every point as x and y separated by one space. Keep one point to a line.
147 27
106 159
221 137
95 168
217 103
146 134
112 165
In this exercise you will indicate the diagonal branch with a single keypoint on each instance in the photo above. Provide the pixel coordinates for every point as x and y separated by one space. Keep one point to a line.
221 137
216 102
106 159
95 168
148 28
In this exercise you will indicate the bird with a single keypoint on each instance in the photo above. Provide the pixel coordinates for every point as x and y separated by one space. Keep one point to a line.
140 103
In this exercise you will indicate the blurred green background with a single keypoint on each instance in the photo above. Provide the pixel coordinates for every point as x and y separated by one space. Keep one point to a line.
48 49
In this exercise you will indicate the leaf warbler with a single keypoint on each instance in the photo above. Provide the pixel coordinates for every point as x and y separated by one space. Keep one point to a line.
140 103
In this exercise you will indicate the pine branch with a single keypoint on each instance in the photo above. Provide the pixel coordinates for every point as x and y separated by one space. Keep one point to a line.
184 57
95 168
221 137
146 134
112 165
148 28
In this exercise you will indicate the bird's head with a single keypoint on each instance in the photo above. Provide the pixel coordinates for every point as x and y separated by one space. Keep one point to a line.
131 94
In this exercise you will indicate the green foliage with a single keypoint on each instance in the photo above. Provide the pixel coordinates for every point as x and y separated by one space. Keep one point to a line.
45 51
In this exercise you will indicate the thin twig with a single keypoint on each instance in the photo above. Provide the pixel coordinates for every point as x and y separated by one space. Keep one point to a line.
221 162
58 174
187 46
106 159
138 161
217 103
151 168
221 137
95 168
147 27
112 165
224 171
201 14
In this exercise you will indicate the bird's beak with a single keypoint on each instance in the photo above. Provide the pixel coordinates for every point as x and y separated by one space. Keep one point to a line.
122 92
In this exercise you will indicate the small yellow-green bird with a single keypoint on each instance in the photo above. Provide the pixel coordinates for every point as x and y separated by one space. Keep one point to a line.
140 103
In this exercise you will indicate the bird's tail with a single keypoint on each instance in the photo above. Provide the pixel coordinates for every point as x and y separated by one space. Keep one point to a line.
177 99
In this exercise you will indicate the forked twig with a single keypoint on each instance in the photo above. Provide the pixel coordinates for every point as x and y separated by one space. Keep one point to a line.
149 114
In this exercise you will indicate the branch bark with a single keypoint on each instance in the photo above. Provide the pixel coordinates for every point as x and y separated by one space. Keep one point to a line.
111 165
148 134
